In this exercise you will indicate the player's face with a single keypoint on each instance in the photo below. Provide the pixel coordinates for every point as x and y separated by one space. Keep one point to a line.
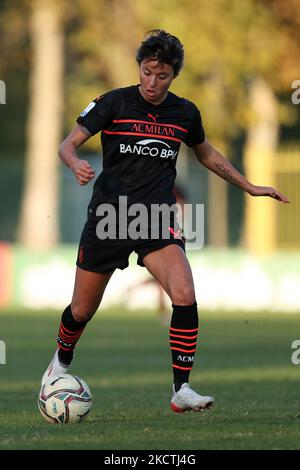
155 80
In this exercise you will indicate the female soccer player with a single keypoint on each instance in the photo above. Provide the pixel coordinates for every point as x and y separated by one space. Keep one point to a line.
142 128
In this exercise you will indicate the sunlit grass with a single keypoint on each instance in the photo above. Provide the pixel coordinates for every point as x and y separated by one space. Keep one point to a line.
244 360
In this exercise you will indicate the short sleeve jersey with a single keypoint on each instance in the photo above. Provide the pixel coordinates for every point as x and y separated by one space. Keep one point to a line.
140 144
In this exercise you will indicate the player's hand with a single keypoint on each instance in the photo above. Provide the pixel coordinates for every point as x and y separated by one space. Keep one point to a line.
83 171
268 191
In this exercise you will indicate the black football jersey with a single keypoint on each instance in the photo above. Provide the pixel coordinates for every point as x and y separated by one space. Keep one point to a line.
140 144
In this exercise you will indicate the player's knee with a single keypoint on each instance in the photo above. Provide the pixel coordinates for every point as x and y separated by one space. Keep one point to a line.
82 312
185 295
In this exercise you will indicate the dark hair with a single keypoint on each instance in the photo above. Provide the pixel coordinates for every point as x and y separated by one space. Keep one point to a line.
164 47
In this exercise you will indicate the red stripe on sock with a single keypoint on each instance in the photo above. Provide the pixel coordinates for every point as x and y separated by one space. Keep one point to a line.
72 332
187 331
184 350
181 368
70 338
60 346
184 344
66 340
185 337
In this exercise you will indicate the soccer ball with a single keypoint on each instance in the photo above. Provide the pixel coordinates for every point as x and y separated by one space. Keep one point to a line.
64 398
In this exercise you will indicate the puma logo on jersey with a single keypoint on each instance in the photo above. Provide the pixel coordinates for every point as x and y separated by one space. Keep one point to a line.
98 98
153 117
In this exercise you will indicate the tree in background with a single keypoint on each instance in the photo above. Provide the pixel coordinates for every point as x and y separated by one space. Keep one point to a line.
101 42
39 214
14 65
266 114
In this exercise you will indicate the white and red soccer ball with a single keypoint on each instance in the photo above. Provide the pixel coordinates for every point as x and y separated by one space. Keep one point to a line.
64 398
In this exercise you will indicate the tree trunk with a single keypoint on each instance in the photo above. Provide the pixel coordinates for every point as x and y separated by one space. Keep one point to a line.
261 144
120 54
217 208
39 214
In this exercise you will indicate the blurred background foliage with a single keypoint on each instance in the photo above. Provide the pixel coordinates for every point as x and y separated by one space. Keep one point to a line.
227 43
233 50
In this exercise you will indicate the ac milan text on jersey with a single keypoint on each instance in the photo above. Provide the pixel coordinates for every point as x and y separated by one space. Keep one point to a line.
153 129
140 144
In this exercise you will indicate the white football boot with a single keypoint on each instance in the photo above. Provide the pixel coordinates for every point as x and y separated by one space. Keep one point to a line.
188 400
55 367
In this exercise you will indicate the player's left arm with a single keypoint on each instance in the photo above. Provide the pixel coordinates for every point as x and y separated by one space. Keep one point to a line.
209 157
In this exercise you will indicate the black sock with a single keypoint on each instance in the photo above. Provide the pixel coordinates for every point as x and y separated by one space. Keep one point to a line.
183 341
69 333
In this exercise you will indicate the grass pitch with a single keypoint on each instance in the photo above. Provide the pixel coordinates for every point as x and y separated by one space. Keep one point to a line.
243 359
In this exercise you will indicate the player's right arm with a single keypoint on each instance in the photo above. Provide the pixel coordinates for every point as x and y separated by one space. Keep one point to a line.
68 155
92 120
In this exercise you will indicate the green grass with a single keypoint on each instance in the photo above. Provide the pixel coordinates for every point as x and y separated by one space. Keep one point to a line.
244 360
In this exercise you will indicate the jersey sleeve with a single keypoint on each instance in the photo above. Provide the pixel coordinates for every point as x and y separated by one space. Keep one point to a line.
98 113
196 133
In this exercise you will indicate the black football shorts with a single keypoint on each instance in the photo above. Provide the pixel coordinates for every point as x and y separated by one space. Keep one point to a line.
103 256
